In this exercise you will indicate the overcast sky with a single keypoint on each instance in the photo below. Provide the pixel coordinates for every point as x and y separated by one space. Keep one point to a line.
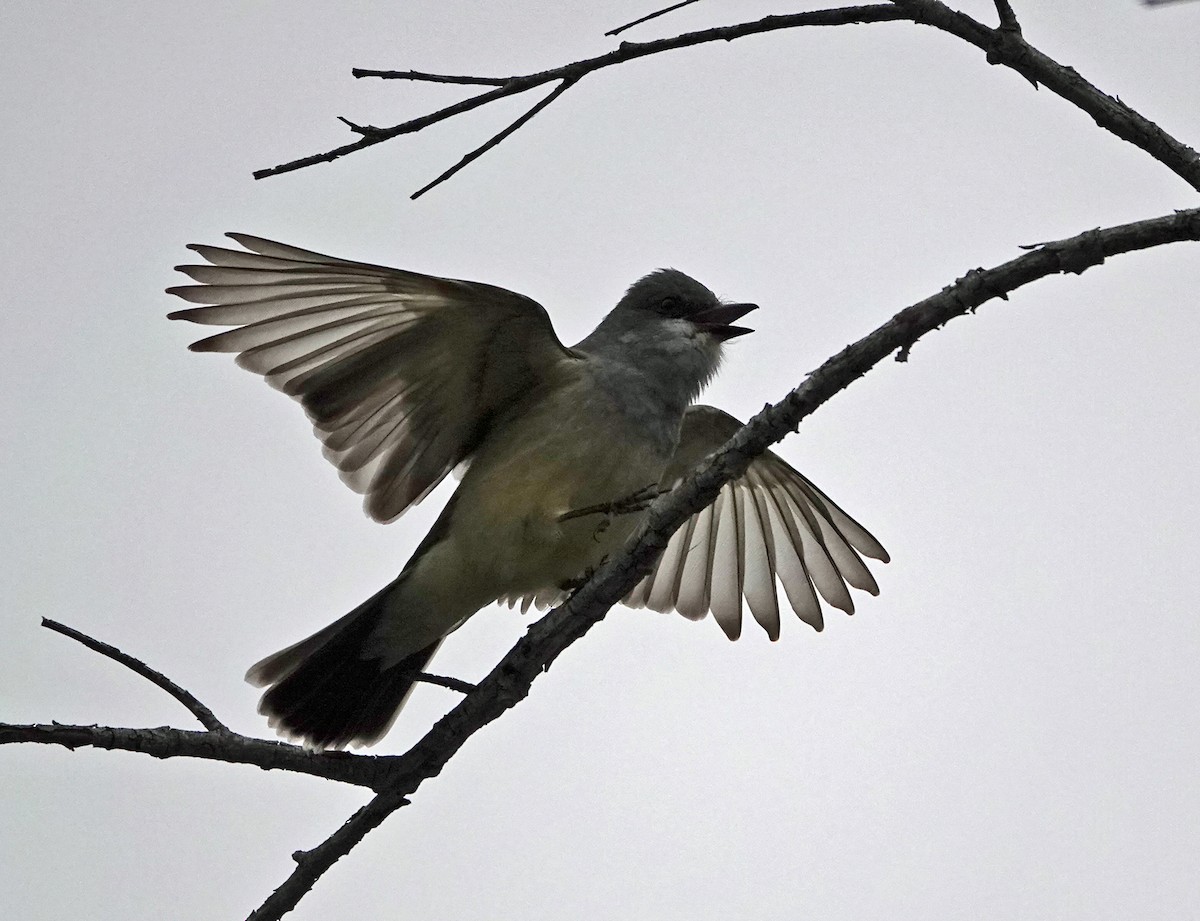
1009 731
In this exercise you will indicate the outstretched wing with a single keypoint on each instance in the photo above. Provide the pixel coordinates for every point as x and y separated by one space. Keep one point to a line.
771 522
400 373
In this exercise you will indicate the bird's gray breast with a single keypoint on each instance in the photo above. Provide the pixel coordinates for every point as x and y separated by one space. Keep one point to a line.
635 402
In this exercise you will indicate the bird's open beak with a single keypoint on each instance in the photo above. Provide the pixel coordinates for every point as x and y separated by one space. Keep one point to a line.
717 320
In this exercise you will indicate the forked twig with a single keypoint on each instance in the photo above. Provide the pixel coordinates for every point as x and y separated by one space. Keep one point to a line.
497 138
1004 45
206 717
627 51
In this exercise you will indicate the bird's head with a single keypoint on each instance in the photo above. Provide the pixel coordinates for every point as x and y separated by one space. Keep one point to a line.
672 295
669 330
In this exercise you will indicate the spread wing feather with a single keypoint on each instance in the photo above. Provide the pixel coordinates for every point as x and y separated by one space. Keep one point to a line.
770 524
399 373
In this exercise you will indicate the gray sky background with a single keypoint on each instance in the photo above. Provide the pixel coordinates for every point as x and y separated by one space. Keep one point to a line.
1009 731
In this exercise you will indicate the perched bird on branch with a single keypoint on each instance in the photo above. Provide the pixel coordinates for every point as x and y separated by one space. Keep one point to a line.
407 377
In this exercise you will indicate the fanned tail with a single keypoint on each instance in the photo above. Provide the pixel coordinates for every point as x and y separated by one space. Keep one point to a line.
324 692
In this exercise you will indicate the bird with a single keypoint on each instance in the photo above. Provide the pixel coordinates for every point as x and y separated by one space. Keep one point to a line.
408 377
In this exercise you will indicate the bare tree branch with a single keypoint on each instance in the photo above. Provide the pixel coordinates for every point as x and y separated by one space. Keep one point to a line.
496 139
1004 45
212 745
627 51
206 717
219 743
649 16
311 865
418 77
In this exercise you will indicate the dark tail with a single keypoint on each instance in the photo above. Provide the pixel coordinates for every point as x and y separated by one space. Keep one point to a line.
325 694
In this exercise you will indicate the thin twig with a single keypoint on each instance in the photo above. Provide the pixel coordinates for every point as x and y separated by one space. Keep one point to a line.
628 51
419 77
364 130
206 717
383 134
442 681
497 138
637 22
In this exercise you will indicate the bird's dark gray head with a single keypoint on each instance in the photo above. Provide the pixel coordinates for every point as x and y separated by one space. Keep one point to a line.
670 294
662 343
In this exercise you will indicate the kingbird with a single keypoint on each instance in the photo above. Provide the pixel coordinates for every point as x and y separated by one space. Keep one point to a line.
407 377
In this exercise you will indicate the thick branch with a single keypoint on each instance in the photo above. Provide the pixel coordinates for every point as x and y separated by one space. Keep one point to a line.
219 743
510 681
224 745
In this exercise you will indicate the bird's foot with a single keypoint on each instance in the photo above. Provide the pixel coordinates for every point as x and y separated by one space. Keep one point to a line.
572 585
636 502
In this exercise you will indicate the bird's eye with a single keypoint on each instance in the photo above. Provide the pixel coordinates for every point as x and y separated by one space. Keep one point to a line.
671 306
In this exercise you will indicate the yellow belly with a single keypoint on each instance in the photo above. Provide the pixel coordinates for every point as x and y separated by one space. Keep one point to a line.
526 544
507 536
